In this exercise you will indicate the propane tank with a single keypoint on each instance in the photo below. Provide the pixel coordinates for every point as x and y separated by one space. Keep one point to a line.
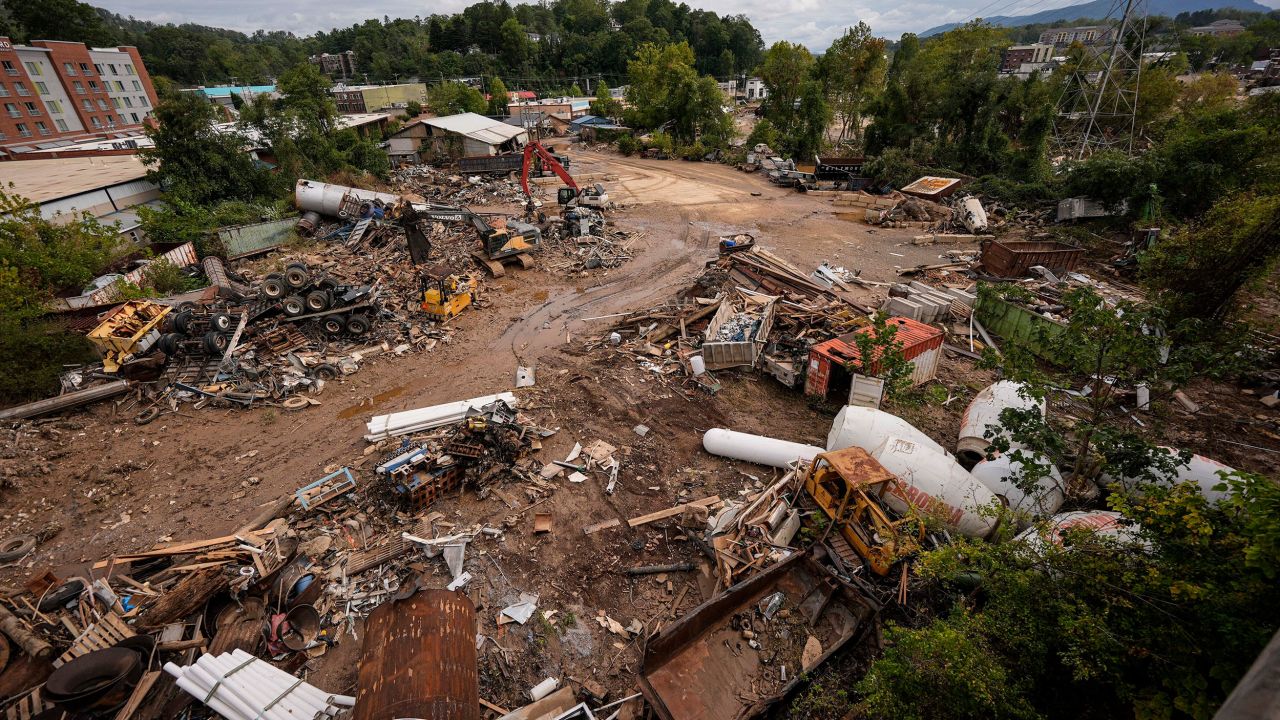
984 412
326 198
935 483
867 428
1044 501
757 449
1103 522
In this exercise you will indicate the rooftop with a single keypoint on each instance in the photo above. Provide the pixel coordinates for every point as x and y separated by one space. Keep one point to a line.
477 127
45 180
239 90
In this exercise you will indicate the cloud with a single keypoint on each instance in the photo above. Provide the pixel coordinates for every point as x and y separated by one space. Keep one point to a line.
814 23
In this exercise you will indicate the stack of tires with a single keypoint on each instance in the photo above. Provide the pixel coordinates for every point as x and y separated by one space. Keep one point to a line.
299 291
190 329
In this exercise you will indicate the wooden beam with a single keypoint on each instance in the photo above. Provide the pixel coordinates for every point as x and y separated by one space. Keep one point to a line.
672 511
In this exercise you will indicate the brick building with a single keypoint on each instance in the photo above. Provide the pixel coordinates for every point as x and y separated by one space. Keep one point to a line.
54 91
1014 57
341 64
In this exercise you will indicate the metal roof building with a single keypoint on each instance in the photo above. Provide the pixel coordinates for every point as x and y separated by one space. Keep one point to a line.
455 136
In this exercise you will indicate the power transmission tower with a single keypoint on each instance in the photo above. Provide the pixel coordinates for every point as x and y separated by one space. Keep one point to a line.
1099 103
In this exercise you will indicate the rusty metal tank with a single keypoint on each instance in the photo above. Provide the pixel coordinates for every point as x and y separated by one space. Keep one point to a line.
419 660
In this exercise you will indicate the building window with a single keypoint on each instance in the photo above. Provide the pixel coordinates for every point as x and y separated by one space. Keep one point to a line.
137 86
116 102
96 122
79 87
62 124
135 117
142 101
1 134
119 86
4 91
42 128
21 88
32 109
128 70
93 85
128 102
55 107
88 106
42 88
33 68
8 67
68 68
12 110
98 67
113 70
84 68
23 130
102 104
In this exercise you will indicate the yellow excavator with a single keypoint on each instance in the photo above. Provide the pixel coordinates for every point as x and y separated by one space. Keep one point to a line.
846 485
445 294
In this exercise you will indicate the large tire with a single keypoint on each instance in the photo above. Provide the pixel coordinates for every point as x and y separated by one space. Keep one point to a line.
168 343
294 305
358 325
221 322
182 322
296 277
58 597
318 301
326 372
333 324
273 287
16 547
215 343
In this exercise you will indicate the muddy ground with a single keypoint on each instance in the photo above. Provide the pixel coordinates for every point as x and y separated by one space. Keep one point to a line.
93 483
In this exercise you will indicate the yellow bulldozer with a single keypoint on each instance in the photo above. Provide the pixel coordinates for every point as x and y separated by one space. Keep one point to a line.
445 293
846 485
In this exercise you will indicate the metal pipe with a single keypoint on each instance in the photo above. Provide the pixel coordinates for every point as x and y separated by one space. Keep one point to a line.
757 448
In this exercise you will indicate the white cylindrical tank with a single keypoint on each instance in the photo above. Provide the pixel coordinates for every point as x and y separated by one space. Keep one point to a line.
326 198
1200 470
985 411
933 482
1044 501
867 428
757 449
1103 522
974 216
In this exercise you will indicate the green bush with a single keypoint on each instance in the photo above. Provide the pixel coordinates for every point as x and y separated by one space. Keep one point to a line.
627 145
764 132
660 141
693 151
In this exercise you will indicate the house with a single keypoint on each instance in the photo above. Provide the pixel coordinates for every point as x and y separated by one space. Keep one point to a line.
1014 57
565 107
756 89
108 188
454 136
1085 35
533 37
589 127
1219 28
729 87
221 95
373 98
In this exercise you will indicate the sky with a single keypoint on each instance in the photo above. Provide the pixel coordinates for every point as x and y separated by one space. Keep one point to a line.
815 23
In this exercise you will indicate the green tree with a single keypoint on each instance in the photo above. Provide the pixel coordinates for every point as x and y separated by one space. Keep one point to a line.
40 258
515 48
604 105
452 98
666 91
852 72
413 109
60 20
575 91
196 162
498 97
785 72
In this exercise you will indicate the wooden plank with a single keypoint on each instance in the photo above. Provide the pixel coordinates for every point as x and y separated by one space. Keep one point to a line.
671 511
139 694
603 525
496 708
182 549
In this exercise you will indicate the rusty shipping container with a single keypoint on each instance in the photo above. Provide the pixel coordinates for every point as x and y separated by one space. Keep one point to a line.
830 361
419 660
1015 259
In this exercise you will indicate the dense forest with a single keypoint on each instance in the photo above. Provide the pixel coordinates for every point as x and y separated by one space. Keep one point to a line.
537 45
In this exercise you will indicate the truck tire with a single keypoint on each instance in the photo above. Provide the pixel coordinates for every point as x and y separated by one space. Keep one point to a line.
333 325
273 287
326 372
215 343
358 325
168 343
296 276
294 306
16 546
318 301
221 322
182 322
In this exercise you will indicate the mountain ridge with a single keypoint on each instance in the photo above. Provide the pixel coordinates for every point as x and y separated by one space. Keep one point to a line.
1099 9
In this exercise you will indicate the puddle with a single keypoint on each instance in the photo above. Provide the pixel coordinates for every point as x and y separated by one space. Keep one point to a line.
368 404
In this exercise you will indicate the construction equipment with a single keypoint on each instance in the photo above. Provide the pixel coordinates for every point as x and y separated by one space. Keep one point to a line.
446 294
846 484
129 330
503 242
570 195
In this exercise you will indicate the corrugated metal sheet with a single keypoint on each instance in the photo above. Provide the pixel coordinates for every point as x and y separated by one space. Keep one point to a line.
244 240
419 660
181 256
921 344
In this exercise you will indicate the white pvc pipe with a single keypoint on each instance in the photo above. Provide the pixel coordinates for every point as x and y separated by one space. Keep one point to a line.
246 693
757 448
281 679
219 702
381 427
262 689
242 695
242 701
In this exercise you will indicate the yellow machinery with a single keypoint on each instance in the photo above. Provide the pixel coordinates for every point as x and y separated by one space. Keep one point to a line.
129 330
446 294
846 484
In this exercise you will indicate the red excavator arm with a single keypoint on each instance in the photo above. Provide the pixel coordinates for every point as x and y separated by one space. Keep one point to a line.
548 160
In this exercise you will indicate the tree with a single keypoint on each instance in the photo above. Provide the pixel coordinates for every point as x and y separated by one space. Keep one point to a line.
60 20
604 105
194 161
452 98
412 109
498 97
515 43
665 91
575 91
40 257
785 72
852 72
